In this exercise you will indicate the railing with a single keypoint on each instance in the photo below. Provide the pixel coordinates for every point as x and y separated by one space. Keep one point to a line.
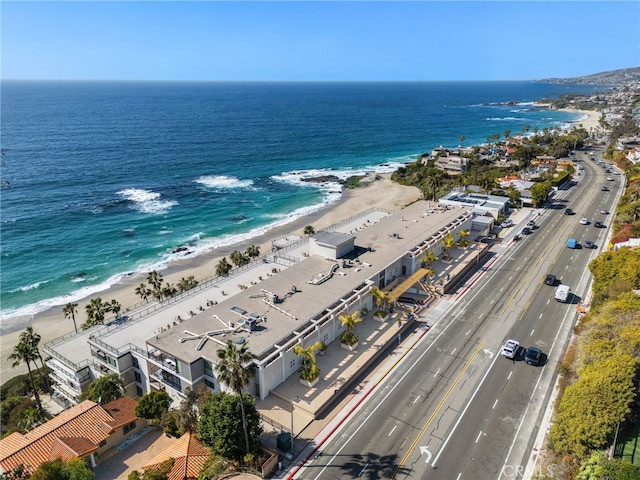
359 215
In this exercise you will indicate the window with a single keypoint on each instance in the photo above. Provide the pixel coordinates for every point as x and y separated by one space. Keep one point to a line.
135 362
210 384
129 427
208 368
138 377
102 443
139 391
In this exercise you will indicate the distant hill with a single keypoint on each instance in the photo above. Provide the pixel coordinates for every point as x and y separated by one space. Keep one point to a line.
614 77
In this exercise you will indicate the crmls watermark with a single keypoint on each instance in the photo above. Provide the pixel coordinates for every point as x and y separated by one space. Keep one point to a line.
520 471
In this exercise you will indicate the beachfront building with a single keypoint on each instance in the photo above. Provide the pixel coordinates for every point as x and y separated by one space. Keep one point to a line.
480 203
293 295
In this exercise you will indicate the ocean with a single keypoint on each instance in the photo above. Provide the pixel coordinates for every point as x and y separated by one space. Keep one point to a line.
104 179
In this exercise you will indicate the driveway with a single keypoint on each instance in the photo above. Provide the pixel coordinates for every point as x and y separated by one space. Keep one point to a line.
133 457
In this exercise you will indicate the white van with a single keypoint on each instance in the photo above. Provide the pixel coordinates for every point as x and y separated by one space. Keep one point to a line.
562 293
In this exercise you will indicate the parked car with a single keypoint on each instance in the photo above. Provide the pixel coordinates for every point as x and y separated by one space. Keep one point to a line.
510 348
533 356
507 224
589 244
550 279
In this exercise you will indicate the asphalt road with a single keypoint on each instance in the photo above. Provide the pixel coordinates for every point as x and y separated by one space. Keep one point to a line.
454 408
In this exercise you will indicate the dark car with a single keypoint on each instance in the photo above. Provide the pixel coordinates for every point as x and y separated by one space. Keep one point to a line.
605 189
533 355
568 211
526 231
589 244
598 224
550 279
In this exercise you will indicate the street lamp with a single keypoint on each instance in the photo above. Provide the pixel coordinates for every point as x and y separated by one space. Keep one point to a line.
295 399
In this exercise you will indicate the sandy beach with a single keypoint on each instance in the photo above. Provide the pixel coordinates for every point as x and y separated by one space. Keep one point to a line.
380 193
377 191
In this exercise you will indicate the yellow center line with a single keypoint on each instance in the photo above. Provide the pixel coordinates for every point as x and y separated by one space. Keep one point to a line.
437 409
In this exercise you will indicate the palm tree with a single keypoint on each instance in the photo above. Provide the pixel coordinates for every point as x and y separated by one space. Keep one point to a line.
310 370
143 292
463 242
428 258
238 258
114 307
187 283
155 280
252 251
383 300
235 369
223 267
69 310
96 311
447 243
31 338
309 230
349 322
23 352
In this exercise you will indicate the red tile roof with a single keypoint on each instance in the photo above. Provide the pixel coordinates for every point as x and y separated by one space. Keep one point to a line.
76 432
189 454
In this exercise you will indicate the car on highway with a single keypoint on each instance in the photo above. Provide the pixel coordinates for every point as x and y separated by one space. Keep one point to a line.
533 356
526 231
604 188
572 243
610 179
589 244
507 224
568 211
604 212
584 221
598 224
510 349
550 279
531 224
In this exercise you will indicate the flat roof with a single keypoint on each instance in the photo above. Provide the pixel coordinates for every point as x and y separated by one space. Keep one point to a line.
381 242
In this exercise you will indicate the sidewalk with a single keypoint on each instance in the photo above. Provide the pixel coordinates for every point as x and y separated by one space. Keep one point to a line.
347 379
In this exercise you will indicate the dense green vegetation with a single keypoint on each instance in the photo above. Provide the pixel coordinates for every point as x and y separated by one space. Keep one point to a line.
484 168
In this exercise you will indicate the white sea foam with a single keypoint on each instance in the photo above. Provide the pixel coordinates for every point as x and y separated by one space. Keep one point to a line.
223 182
147 201
505 119
26 288
48 303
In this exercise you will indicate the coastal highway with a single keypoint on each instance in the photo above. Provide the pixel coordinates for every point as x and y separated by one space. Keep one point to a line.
454 408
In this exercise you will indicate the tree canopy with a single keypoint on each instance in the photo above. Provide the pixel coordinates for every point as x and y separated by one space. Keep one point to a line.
153 405
105 389
220 425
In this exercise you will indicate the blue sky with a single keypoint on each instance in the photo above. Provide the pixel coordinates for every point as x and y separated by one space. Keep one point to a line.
335 40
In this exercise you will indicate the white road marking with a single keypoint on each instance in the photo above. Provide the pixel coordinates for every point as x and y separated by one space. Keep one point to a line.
478 437
418 397
437 372
531 334
394 427
494 404
510 373
468 332
363 469
453 351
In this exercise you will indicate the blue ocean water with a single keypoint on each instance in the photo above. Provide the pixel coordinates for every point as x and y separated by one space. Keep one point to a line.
102 179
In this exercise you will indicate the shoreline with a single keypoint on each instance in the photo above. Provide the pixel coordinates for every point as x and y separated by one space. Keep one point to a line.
377 190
